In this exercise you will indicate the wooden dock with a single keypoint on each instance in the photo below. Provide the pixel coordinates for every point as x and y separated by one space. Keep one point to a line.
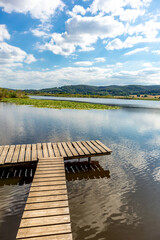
46 214
29 153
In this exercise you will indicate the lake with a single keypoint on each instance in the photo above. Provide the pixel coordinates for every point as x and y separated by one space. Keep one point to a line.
121 204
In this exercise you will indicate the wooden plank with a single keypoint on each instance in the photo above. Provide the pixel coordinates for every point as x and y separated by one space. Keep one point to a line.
1 149
93 147
45 150
43 205
47 198
50 168
44 230
50 175
61 150
47 193
67 150
73 150
10 154
45 212
4 154
84 149
37 184
49 220
22 153
67 236
47 188
49 179
98 146
52 171
28 153
50 149
16 154
104 146
53 166
56 151
39 150
34 152
88 147
78 149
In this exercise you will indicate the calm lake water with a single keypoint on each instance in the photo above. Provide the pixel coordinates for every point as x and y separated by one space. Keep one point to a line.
123 203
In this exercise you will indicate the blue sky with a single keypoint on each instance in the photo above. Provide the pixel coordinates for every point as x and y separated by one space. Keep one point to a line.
96 42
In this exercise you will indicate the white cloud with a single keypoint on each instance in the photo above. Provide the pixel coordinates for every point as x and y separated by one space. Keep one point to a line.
82 32
30 58
115 44
137 50
14 56
38 8
129 42
4 34
77 9
127 10
81 75
84 63
156 51
149 29
100 59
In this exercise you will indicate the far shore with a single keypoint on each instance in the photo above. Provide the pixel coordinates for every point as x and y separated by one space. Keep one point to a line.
131 97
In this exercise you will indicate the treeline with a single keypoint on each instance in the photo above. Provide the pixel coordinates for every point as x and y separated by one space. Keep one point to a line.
8 93
105 91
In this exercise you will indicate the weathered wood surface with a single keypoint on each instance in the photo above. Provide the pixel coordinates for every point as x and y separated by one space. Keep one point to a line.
46 214
29 153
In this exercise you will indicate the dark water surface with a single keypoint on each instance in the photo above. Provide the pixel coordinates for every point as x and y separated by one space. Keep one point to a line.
121 201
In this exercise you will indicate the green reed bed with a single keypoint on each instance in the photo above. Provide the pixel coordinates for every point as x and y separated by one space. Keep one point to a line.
57 104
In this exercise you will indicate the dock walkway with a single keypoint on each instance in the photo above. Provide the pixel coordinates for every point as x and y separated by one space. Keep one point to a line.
46 214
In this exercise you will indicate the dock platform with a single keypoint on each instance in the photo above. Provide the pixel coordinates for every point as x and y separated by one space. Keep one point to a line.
46 214
30 153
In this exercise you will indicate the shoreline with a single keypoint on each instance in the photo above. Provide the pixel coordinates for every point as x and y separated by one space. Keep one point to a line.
56 104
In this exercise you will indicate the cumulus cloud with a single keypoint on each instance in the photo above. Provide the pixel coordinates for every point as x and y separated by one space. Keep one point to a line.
4 34
77 9
37 8
137 50
82 32
82 75
14 56
127 10
129 42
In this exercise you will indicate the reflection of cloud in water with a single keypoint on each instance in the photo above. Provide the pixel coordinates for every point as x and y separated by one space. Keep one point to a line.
156 174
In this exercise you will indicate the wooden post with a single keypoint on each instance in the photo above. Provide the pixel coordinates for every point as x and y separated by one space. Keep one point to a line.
89 160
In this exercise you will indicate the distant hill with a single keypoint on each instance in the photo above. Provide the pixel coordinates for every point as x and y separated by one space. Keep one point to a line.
112 90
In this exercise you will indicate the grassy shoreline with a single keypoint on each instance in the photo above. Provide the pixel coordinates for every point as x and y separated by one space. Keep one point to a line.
58 104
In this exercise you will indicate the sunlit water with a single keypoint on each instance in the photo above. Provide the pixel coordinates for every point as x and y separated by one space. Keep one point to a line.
121 205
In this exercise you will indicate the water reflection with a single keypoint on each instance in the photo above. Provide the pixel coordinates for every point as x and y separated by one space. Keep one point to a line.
124 206
84 170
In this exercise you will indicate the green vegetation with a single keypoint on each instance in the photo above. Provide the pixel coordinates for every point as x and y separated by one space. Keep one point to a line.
7 93
99 91
57 104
